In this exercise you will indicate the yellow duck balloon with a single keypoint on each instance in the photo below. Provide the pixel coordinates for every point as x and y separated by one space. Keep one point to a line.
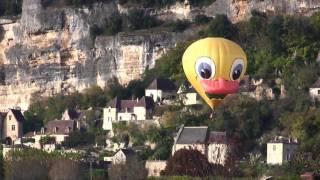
214 67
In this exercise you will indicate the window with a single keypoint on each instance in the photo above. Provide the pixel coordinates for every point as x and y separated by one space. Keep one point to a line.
318 92
68 129
9 117
120 118
274 147
109 109
55 129
13 127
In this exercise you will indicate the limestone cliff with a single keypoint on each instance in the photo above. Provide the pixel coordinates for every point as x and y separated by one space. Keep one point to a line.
52 50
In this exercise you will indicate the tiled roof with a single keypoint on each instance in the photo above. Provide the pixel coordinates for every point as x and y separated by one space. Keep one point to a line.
17 114
146 102
60 126
217 137
193 135
70 114
284 140
162 84
316 84
128 152
114 103
128 105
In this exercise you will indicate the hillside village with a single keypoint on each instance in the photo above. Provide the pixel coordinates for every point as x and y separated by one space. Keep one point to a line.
215 145
96 89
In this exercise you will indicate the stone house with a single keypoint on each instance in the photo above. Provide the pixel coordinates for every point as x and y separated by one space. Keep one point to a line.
155 167
217 147
211 144
122 156
314 90
281 150
12 125
127 110
161 90
188 95
56 129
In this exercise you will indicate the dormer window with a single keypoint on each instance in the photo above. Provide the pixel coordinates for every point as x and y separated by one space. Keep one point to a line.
42 130
68 129
55 129
10 117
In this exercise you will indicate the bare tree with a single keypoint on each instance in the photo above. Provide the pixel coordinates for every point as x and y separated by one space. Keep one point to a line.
65 169
132 170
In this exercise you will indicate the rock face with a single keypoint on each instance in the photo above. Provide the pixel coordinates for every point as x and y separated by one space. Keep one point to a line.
238 10
52 50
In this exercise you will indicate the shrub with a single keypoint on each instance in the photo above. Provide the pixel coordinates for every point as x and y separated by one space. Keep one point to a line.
202 19
180 25
78 138
138 19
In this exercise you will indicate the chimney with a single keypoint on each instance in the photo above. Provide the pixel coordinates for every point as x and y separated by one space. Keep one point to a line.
137 100
78 125
34 133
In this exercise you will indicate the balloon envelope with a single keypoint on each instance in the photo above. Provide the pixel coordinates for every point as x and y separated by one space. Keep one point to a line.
214 67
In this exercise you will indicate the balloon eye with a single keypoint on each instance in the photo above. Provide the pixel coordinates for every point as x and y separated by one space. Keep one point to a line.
205 68
236 69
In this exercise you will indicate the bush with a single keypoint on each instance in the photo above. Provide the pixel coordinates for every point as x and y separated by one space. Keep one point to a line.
180 25
202 19
79 138
139 19
10 7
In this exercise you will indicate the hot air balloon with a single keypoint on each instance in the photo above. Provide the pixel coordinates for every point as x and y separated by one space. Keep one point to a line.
214 67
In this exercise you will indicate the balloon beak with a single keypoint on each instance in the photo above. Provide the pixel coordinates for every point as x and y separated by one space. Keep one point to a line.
220 86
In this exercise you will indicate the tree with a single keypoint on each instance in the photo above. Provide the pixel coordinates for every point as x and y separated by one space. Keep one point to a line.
36 164
131 170
65 169
79 138
220 26
188 163
114 24
1 166
30 163
139 19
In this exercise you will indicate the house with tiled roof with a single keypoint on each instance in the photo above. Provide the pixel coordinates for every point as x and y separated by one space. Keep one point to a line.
212 144
161 90
58 130
12 125
217 147
281 150
314 90
127 110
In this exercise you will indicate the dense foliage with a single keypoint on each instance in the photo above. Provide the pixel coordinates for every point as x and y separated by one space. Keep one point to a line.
10 7
79 138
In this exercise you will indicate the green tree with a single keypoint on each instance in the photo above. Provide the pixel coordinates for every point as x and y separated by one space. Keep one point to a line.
79 138
220 26
139 19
